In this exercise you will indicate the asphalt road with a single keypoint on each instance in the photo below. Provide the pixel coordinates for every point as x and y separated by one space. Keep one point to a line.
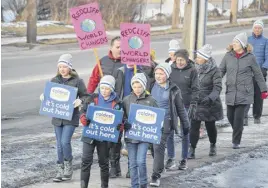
24 73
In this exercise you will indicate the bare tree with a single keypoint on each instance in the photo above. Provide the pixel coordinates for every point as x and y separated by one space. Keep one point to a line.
175 14
17 6
233 15
31 21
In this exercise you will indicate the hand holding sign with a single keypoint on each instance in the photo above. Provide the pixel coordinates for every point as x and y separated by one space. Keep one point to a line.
42 97
77 102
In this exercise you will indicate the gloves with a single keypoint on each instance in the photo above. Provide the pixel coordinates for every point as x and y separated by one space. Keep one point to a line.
77 102
264 95
192 110
42 97
206 101
120 127
84 120
127 126
264 72
185 131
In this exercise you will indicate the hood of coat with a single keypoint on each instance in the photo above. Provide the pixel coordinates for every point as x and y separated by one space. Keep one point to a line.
249 48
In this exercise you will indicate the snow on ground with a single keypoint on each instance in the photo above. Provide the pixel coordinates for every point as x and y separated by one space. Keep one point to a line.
24 24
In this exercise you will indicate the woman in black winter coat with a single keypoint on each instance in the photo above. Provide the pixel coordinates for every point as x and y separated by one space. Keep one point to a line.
209 107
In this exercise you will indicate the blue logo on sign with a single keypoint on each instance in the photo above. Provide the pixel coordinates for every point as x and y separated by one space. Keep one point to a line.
88 25
135 42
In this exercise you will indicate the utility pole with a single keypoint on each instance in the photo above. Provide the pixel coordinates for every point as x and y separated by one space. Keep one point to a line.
233 15
31 21
175 14
202 23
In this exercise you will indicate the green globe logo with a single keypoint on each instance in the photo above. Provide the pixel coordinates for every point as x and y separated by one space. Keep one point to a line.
88 25
135 42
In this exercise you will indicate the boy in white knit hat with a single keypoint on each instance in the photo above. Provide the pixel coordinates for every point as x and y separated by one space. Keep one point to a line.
173 47
260 50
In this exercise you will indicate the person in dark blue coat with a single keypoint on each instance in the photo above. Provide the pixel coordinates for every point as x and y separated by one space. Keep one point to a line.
260 50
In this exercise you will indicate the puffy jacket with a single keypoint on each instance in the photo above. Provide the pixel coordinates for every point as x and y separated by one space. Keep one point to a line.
260 49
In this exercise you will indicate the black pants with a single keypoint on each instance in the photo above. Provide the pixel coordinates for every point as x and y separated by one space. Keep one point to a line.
236 116
258 102
87 160
194 132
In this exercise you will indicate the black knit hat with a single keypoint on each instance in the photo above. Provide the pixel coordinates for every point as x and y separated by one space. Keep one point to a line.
182 53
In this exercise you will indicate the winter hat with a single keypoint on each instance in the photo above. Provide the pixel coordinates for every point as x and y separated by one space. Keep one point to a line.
108 81
66 59
182 53
242 38
165 67
205 51
141 78
259 23
173 46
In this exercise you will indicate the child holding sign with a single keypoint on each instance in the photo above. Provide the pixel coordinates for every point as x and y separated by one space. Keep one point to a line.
137 150
64 129
108 99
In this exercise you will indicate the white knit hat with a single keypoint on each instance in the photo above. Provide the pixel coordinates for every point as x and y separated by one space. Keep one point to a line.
173 46
141 78
243 39
259 23
205 51
165 67
108 81
66 59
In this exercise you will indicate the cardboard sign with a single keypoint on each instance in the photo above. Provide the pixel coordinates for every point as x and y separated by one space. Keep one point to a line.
146 123
88 26
58 101
103 125
135 44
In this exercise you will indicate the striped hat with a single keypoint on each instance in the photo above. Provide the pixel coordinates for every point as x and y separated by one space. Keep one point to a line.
205 51
66 59
165 67
108 81
258 23
141 78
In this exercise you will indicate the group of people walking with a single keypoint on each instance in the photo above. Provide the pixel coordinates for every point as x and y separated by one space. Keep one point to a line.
188 90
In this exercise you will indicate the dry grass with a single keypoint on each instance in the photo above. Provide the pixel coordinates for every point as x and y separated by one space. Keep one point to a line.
57 41
46 30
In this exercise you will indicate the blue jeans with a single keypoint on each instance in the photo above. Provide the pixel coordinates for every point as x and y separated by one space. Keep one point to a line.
185 144
137 163
64 135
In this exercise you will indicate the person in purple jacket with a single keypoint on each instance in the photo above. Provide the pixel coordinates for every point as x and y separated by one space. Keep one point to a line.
260 50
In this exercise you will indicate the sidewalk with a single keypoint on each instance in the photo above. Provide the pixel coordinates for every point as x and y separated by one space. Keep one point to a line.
11 40
253 136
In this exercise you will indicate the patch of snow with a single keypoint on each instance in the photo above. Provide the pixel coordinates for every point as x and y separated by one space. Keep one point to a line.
24 24
227 13
210 7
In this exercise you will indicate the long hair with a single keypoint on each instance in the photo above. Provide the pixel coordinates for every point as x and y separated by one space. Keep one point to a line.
72 73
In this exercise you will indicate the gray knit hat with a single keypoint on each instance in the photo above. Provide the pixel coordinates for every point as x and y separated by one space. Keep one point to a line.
165 67
243 39
141 78
173 46
66 59
205 51
108 81
259 23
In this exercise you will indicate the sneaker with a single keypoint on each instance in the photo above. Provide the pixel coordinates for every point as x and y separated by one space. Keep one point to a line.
257 121
170 164
155 182
236 146
213 150
246 121
183 165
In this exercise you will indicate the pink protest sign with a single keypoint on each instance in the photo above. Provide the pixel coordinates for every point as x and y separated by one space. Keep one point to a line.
88 26
135 44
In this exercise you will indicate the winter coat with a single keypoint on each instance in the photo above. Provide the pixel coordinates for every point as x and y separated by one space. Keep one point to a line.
260 49
210 82
176 109
239 77
187 80
77 82
93 98
144 99
120 81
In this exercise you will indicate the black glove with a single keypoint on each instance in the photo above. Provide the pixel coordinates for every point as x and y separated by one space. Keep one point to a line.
185 131
192 110
120 127
127 126
264 72
206 101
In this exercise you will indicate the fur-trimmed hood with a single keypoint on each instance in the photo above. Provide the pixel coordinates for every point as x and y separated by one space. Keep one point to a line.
249 48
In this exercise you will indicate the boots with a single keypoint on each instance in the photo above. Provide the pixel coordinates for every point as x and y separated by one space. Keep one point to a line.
112 172
213 150
191 153
118 169
68 170
60 171
128 174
